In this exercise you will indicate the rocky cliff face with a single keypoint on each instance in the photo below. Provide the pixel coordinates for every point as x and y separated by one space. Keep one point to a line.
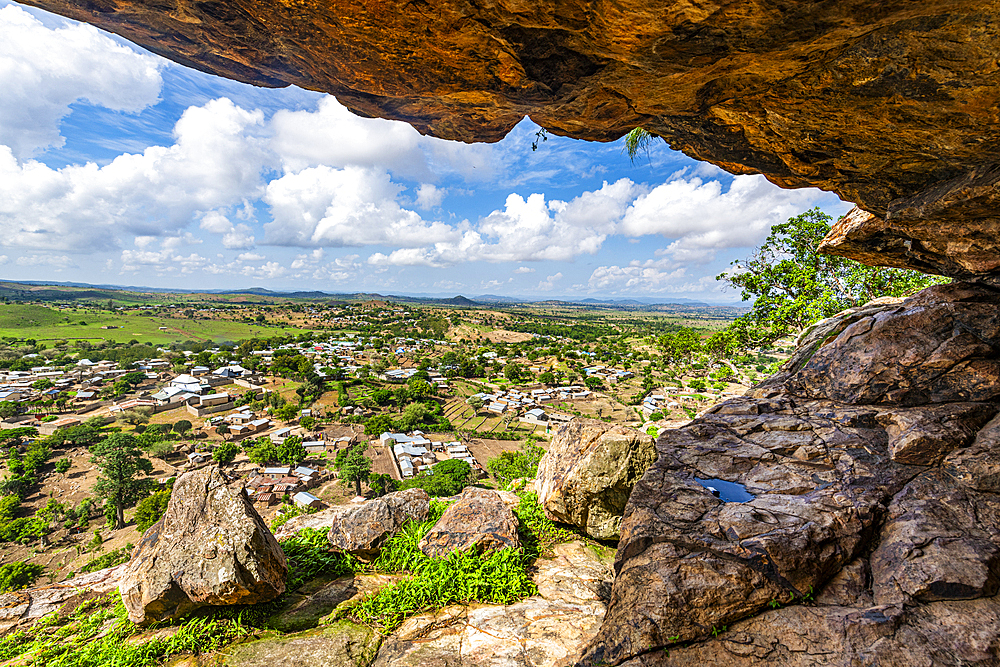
855 518
890 104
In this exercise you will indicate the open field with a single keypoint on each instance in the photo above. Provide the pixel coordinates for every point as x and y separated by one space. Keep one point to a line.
46 324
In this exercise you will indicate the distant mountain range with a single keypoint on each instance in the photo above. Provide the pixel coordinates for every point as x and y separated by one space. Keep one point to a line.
457 301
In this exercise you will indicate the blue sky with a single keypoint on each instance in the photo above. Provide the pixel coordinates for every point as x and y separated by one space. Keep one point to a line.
117 166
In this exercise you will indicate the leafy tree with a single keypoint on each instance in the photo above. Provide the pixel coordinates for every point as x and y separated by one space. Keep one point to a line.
308 422
356 467
382 484
381 396
222 428
158 449
515 465
379 424
514 371
476 402
123 470
225 452
547 378
447 478
133 417
288 412
183 426
594 383
8 409
263 452
43 384
291 452
151 509
793 285
413 415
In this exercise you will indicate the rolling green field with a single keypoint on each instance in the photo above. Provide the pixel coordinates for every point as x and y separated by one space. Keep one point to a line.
41 323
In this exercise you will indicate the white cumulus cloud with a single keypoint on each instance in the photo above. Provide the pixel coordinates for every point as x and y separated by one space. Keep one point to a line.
44 70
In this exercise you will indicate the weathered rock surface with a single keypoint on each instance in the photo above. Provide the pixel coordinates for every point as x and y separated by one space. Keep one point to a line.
319 598
480 518
881 512
890 105
941 345
319 521
18 608
210 548
588 472
342 643
542 631
362 530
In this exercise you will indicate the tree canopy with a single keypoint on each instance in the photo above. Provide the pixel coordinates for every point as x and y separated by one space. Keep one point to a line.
123 480
792 285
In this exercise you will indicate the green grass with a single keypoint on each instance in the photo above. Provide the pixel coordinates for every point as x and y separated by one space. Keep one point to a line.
41 323
98 633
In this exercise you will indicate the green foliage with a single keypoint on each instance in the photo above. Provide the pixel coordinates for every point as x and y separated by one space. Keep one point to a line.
225 452
110 559
123 470
309 555
538 532
18 575
379 424
84 640
514 465
289 512
446 478
381 396
149 510
308 422
159 448
382 484
354 466
262 452
287 412
63 466
637 141
182 426
792 285
547 378
292 452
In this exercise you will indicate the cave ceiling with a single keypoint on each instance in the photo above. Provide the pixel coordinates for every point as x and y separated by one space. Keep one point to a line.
893 105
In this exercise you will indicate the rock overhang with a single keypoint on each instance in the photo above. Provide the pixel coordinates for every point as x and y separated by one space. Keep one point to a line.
891 105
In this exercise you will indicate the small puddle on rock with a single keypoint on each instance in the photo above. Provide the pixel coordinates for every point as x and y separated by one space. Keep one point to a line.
727 492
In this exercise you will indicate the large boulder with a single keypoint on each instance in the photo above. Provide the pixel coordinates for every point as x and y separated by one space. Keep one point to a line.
588 472
210 548
479 518
363 530
941 345
874 516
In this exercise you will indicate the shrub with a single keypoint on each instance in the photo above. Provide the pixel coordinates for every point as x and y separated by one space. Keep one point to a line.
110 559
18 575
63 466
151 509
225 452
513 465
447 478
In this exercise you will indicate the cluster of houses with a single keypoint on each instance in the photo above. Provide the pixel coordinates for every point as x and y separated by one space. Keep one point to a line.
268 485
656 403
414 453
503 401
610 375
